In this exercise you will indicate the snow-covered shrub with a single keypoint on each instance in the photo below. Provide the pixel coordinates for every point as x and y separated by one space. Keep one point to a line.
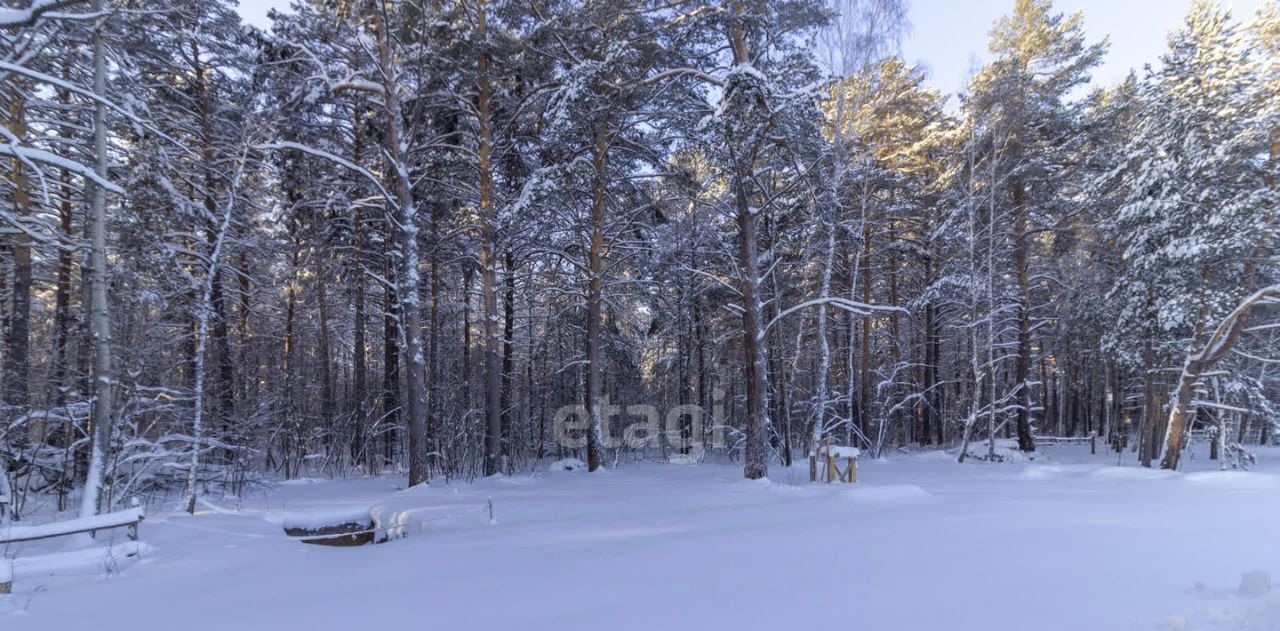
1006 450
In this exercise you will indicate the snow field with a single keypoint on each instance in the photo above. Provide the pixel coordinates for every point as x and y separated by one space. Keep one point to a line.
1068 542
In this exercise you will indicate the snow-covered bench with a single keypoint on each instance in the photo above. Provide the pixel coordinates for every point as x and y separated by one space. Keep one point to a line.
129 518
831 457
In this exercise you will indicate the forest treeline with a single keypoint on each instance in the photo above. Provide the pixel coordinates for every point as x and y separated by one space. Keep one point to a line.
400 235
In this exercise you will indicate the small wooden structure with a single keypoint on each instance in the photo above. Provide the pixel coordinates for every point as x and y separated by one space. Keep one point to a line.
129 518
831 457
347 528
1091 440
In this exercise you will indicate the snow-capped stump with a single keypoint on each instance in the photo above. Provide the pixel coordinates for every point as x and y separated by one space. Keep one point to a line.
343 527
831 457
6 575
567 464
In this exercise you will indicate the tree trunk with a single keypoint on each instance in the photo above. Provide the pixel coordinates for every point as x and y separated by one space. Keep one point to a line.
207 311
488 256
407 278
864 349
224 386
508 349
390 355
755 452
755 456
16 360
1204 354
595 291
323 352
100 322
433 335
58 384
289 365
359 349
1022 368
820 389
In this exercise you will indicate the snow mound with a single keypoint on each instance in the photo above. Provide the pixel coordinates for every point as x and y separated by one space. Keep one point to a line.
933 454
567 464
1040 472
101 557
890 494
1233 614
322 518
1252 607
1233 480
397 522
300 481
1131 473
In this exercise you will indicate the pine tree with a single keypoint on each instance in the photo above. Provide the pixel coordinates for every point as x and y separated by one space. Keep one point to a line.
1022 99
1195 210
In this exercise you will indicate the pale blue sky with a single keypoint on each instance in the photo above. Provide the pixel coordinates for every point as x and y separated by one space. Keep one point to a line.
255 11
948 36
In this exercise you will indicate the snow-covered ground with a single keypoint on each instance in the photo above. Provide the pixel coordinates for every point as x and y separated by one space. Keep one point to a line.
1068 542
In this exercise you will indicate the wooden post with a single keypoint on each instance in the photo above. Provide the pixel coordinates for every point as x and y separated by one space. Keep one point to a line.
853 470
813 467
1093 443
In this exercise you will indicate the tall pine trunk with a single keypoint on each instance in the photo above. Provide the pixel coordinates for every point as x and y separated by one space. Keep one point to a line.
488 256
59 367
16 359
595 297
508 353
390 354
1022 367
359 346
755 452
